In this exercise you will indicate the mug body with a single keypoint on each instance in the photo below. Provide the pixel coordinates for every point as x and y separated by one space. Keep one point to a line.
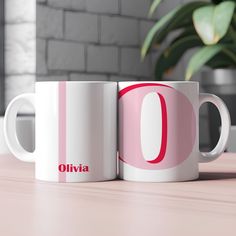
158 131
75 130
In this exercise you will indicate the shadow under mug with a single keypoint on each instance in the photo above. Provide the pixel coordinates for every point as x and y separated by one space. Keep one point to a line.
158 130
75 130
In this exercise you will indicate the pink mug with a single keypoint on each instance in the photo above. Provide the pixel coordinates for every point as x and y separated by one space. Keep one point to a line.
158 130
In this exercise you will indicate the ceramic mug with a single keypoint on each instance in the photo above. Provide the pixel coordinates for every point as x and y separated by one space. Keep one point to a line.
75 130
158 130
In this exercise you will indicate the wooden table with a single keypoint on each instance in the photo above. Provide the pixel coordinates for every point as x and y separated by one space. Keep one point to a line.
35 208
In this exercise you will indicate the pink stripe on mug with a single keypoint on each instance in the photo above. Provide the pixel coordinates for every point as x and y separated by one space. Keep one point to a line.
62 128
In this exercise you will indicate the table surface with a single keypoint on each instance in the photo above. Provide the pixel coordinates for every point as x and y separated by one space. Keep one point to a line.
203 207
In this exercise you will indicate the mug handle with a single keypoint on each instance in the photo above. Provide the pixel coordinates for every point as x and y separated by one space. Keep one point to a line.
225 124
10 127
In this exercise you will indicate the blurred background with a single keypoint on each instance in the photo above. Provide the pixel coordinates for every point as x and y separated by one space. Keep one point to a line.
81 40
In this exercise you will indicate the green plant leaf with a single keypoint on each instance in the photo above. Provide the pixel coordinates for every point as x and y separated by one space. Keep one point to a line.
188 31
230 54
168 22
200 58
224 58
151 34
182 20
172 55
212 22
153 7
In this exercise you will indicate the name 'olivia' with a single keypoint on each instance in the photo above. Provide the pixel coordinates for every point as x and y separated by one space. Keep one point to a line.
73 168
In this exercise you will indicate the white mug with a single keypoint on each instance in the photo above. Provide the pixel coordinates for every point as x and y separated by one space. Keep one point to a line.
158 130
75 130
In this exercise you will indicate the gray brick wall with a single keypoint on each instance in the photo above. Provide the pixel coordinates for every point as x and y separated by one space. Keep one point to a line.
67 4
132 65
102 59
81 27
137 8
49 23
103 6
64 56
41 55
92 38
119 30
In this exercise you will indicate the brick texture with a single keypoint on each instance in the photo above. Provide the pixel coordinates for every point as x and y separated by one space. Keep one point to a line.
81 27
49 22
65 56
68 4
135 8
102 58
103 6
119 30
132 65
41 66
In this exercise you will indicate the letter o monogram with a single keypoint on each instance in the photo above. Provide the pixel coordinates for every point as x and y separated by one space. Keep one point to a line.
178 131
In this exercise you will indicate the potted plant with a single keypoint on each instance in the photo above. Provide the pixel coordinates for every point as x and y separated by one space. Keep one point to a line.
210 27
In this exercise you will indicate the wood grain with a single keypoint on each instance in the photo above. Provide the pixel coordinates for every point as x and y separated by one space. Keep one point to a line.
203 207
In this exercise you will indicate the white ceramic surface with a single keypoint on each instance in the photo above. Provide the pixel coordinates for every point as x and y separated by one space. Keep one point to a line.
3 146
75 130
158 130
